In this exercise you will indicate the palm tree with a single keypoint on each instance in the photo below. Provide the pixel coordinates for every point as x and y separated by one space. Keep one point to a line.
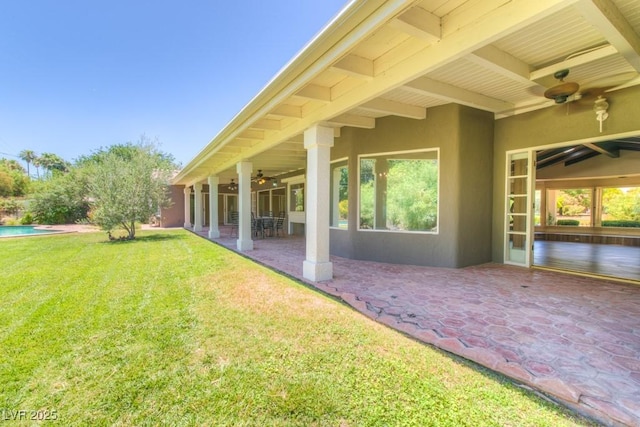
37 162
28 156
52 162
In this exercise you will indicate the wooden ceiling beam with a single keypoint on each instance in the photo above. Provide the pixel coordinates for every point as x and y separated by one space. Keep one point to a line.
595 147
419 23
444 91
315 93
352 120
606 17
355 66
266 124
394 108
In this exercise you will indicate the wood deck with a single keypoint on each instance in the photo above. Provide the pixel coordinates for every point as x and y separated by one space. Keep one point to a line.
606 260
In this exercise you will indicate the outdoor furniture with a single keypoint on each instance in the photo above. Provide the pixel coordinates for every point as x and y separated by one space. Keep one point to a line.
267 225
279 223
233 217
257 226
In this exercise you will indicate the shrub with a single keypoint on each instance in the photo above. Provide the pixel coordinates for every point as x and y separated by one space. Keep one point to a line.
621 223
27 219
60 200
572 222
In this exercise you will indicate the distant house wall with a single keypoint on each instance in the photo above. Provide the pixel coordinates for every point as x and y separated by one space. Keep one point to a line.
464 137
173 216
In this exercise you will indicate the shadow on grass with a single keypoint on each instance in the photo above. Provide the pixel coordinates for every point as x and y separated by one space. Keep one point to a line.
156 237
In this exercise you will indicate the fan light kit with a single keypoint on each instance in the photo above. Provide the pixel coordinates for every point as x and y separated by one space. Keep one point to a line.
600 107
561 92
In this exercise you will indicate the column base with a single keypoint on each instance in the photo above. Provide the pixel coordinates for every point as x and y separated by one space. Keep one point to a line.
197 228
244 245
187 225
317 271
214 234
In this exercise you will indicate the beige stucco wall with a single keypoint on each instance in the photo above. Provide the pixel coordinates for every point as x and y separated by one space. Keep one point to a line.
173 216
464 137
565 123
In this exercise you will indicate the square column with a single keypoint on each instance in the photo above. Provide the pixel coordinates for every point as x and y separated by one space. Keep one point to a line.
197 207
187 207
244 242
318 141
214 231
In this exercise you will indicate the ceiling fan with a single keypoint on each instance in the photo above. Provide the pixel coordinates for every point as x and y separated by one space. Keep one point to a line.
260 178
593 90
562 91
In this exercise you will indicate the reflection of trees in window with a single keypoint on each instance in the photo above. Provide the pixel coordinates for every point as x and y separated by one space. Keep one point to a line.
340 195
367 182
621 204
297 197
399 192
412 194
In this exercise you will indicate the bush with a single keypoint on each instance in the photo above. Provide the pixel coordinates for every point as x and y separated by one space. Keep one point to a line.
27 219
621 223
572 222
60 200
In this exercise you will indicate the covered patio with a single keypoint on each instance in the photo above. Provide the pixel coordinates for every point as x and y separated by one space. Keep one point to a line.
574 338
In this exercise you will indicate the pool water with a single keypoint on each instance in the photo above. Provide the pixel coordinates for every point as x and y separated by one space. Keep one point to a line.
22 230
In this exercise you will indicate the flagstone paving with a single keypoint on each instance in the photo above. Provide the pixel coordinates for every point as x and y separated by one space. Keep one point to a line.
577 339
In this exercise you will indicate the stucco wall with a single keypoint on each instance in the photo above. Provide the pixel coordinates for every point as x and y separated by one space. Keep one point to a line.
558 124
464 137
173 216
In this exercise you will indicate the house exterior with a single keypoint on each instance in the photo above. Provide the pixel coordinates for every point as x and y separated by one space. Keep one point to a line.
410 131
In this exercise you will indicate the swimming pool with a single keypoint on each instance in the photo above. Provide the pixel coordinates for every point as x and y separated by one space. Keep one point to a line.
23 230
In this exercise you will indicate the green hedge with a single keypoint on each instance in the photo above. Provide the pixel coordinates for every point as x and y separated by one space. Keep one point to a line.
568 222
621 223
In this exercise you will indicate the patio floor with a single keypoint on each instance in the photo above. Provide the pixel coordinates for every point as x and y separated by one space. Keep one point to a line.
575 338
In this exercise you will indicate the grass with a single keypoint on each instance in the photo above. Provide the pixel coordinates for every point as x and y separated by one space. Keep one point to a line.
173 330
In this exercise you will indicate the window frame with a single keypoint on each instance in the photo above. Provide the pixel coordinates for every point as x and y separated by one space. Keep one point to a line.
338 163
436 229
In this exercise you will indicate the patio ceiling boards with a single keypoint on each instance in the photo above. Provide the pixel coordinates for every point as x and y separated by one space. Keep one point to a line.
380 58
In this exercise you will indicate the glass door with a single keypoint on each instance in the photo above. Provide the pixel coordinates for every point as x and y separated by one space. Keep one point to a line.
518 209
231 205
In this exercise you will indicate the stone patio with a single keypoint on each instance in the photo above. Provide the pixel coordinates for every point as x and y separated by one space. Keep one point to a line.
577 339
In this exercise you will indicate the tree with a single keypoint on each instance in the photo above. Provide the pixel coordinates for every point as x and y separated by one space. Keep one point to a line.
127 186
27 156
13 179
62 199
53 163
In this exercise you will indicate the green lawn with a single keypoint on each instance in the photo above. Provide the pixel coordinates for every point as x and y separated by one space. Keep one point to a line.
173 330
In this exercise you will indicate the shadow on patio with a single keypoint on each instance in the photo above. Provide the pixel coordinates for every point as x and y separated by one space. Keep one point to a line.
577 339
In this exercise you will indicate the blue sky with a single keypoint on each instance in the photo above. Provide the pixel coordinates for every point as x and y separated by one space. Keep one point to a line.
77 75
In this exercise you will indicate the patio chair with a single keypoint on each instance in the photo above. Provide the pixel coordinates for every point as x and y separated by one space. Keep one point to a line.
267 225
279 223
234 218
256 226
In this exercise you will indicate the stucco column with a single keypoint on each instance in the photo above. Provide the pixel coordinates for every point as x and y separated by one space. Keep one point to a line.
244 242
197 207
318 141
214 231
187 207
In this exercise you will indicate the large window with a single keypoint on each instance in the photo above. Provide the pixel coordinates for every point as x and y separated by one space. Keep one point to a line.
592 207
296 199
339 194
399 191
621 207
572 206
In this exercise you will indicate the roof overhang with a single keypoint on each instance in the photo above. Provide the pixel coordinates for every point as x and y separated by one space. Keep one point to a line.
379 58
